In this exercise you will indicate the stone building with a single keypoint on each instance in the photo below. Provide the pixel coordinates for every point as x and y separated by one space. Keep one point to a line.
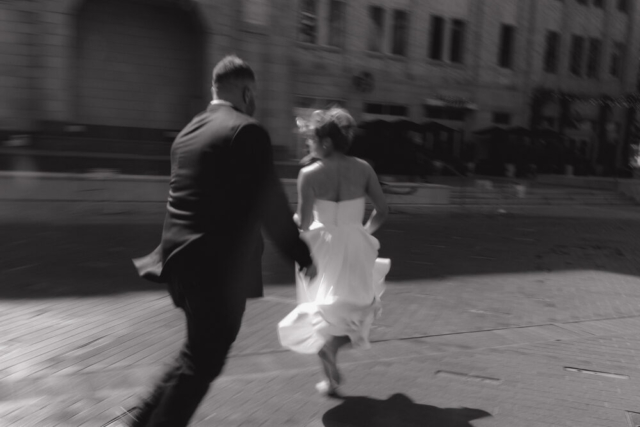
108 71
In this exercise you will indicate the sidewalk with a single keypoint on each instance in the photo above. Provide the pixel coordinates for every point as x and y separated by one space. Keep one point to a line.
489 320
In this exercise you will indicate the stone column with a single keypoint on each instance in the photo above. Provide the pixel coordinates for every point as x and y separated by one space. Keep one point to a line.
56 71
629 80
18 29
280 68
530 10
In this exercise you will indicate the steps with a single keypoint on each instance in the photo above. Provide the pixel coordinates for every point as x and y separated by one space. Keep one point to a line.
63 154
535 196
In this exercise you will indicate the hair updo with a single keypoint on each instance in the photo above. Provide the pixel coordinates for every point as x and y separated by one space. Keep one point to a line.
335 124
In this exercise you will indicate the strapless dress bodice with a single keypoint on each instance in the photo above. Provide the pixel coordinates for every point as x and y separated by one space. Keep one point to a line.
342 213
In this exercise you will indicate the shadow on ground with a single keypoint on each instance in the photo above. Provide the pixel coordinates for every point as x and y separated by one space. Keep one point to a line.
44 261
397 411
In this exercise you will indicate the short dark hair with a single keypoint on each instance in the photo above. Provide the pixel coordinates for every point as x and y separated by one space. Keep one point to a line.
337 125
231 68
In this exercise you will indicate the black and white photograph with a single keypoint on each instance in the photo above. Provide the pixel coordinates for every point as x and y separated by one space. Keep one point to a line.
319 213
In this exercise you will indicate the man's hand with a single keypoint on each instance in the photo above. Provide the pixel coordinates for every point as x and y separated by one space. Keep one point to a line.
310 272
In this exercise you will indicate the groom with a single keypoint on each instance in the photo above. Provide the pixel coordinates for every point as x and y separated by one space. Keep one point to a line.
223 189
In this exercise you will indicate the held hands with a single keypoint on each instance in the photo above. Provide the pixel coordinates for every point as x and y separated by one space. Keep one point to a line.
310 272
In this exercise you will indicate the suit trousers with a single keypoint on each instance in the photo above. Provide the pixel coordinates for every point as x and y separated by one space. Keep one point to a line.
213 310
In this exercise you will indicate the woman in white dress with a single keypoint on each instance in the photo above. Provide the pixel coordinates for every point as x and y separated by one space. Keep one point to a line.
338 307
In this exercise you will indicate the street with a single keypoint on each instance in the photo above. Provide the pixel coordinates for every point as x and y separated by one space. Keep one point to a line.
488 320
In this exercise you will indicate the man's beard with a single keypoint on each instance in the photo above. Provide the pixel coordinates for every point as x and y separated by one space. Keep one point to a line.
250 107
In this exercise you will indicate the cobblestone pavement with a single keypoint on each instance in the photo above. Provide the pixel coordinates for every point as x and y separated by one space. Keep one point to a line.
489 320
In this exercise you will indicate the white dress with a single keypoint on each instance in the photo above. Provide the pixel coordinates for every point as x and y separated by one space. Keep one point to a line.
344 298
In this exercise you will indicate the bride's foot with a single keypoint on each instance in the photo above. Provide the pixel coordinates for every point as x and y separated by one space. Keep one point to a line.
328 358
326 388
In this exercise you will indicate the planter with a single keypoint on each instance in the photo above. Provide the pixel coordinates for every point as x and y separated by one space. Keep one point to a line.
471 168
521 191
510 170
437 167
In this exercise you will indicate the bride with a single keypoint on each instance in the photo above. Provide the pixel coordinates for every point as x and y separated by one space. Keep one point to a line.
338 307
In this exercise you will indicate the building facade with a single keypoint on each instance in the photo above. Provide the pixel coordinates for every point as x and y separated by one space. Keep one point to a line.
118 66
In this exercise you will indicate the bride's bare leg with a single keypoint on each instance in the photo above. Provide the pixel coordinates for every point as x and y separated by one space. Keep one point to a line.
328 355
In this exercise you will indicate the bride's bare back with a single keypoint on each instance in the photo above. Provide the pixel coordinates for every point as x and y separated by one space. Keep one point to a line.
338 178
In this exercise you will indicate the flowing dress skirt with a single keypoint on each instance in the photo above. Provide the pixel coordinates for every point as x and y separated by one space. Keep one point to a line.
344 298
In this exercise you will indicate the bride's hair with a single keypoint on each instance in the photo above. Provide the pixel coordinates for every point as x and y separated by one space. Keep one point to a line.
337 125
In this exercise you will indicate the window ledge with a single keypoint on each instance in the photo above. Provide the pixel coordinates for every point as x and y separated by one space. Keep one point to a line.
250 27
375 54
391 56
398 58
313 46
439 63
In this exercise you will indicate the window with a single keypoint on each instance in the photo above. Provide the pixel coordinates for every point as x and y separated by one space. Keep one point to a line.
598 3
309 102
505 54
398 110
336 25
445 113
593 60
308 22
577 52
386 109
456 53
376 26
623 6
551 52
615 67
400 29
436 46
501 118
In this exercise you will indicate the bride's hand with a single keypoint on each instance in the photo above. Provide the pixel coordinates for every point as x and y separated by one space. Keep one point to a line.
310 272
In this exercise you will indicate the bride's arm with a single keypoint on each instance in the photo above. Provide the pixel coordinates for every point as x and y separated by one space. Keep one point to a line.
306 197
381 210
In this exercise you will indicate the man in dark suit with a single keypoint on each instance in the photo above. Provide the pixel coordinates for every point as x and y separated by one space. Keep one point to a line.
223 190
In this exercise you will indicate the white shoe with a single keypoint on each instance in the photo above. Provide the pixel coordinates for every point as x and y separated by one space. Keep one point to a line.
325 388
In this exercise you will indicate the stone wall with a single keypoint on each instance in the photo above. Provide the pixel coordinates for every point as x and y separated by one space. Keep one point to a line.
39 61
91 198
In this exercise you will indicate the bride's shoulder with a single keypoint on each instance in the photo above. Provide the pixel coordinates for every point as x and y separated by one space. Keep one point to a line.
308 172
360 161
311 169
362 164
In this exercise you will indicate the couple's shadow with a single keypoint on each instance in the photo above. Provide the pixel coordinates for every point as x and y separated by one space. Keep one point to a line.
397 411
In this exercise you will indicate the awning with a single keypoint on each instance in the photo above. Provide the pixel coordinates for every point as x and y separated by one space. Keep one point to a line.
491 130
407 125
436 127
519 131
450 102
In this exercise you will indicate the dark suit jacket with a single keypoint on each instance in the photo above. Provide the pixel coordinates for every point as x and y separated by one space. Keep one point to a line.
223 190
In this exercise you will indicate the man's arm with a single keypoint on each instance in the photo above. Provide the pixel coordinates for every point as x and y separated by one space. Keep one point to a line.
264 193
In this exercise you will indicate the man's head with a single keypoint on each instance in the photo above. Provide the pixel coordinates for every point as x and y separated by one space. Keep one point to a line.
235 82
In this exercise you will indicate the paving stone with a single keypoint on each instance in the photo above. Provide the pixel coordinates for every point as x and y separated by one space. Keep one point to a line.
489 324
